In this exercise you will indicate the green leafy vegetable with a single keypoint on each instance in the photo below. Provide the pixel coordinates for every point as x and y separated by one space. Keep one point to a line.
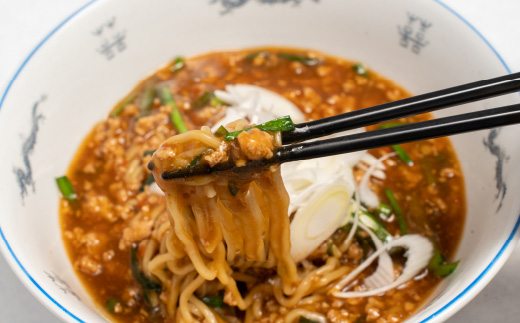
397 210
214 301
178 64
375 226
110 304
360 70
402 154
167 99
384 211
438 264
233 188
391 125
148 153
149 180
145 282
66 188
146 101
303 319
123 104
221 132
279 124
299 58
252 56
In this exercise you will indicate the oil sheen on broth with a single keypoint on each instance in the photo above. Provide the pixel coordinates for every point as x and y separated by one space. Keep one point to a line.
116 212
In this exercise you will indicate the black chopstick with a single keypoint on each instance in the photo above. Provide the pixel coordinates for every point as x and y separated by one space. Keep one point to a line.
410 106
473 121
452 125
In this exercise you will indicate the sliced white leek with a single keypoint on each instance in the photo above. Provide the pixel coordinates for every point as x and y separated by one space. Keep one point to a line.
384 273
316 219
419 252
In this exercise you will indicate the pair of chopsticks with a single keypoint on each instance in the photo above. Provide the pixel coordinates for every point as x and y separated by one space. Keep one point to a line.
294 149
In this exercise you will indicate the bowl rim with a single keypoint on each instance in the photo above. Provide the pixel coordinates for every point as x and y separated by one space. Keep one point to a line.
445 311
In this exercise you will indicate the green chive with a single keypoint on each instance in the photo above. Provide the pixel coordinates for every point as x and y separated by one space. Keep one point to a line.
110 304
384 211
252 56
208 98
402 154
299 58
214 301
146 282
123 104
148 152
149 180
437 264
279 124
233 188
66 188
221 132
216 102
391 125
303 319
397 210
375 226
178 64
167 99
195 161
360 70
203 100
330 249
146 101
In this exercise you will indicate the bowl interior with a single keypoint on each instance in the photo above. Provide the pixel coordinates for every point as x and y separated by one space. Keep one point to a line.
90 63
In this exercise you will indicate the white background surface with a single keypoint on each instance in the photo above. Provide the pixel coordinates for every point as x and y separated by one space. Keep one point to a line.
24 23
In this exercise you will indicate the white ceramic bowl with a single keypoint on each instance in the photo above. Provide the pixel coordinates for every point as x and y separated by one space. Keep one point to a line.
91 60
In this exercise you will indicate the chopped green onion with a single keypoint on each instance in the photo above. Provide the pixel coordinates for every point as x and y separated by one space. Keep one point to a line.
233 188
110 304
146 101
330 249
303 319
148 152
146 282
195 161
214 301
178 64
221 132
299 58
252 56
397 210
123 104
402 154
391 125
360 70
279 124
384 211
167 99
66 188
437 264
149 180
375 226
